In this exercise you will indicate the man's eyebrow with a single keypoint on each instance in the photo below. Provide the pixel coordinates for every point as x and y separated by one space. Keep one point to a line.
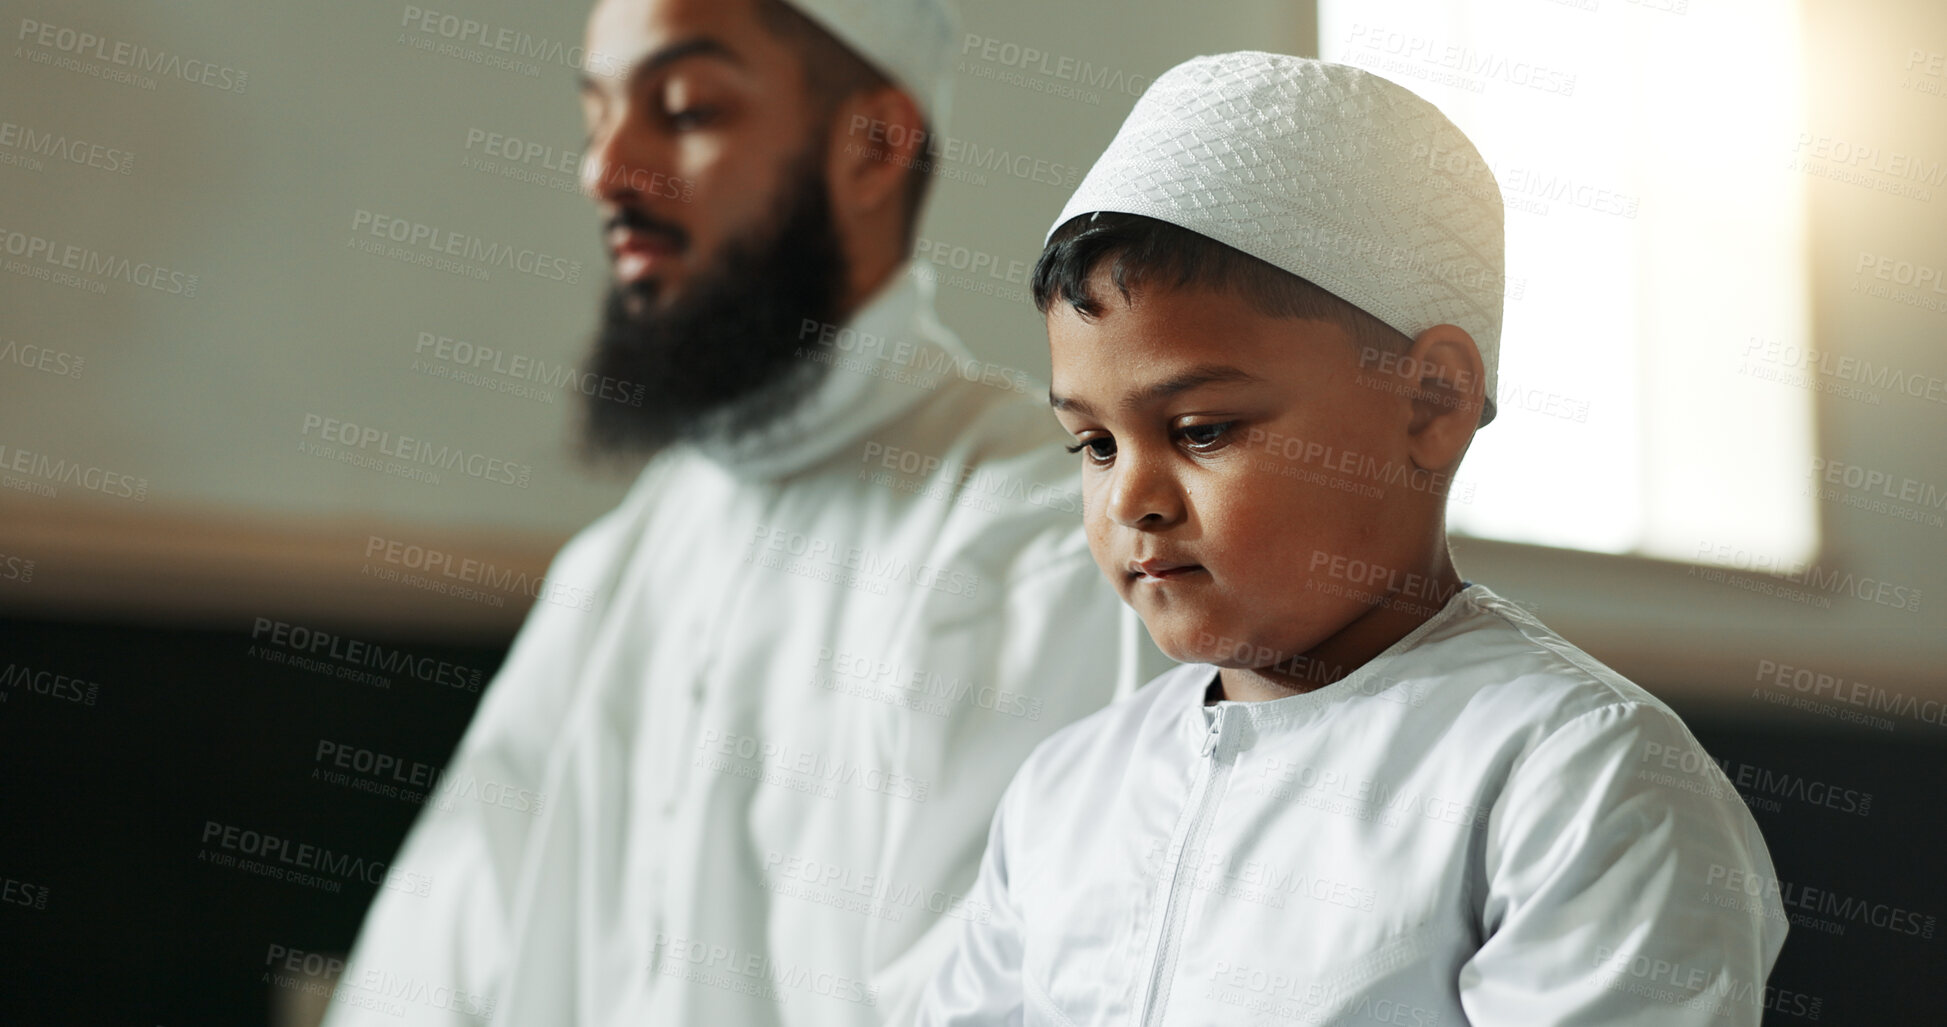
699 46
1203 374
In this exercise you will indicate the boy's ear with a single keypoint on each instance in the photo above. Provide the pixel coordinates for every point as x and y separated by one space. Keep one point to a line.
1450 389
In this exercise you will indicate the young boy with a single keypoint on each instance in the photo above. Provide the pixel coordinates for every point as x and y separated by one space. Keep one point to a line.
1374 792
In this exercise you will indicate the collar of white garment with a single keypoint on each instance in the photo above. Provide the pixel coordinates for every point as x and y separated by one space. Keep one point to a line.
1297 710
911 355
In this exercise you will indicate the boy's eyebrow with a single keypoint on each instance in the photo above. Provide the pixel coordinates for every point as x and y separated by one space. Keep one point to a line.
699 46
1203 374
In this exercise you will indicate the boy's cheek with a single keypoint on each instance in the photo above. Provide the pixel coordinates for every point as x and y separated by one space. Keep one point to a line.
1119 581
1099 532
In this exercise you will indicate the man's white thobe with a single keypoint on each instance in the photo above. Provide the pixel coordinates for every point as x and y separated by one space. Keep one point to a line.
1483 825
764 759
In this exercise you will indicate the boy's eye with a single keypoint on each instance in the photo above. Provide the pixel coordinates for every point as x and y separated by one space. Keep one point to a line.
1100 449
1205 436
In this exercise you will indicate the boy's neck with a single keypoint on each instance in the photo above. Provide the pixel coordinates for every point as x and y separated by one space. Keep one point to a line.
1386 621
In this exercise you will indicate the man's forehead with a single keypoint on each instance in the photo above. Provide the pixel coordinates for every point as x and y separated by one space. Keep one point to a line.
627 32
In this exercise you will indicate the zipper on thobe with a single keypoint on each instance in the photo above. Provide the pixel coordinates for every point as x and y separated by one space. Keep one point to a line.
1212 772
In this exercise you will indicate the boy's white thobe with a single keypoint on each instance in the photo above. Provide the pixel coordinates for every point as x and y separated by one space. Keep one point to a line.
766 756
1482 825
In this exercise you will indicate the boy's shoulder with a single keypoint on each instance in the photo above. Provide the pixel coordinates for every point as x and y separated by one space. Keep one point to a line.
1497 660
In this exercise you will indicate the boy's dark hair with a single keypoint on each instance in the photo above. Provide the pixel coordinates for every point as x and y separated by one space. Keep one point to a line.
1147 251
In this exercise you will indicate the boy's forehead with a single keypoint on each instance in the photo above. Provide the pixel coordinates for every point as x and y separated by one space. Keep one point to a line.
1147 349
1164 325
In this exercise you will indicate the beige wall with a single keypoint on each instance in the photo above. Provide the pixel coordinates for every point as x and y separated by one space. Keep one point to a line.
255 192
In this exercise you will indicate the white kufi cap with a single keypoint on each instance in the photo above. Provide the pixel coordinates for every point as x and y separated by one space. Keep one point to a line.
1330 172
909 41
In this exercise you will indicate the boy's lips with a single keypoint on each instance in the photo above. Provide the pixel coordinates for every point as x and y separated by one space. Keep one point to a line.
1161 570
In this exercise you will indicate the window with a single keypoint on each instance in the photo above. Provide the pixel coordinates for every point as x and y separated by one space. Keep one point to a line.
1656 261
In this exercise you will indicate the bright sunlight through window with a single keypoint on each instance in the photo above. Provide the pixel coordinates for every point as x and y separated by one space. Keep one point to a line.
1656 262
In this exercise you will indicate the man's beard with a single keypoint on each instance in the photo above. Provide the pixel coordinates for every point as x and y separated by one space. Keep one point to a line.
724 359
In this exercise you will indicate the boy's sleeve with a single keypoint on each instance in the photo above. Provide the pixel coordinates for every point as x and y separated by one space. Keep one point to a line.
980 981
1626 883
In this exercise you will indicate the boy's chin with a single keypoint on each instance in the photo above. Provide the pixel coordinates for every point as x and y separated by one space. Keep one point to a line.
1195 642
1199 641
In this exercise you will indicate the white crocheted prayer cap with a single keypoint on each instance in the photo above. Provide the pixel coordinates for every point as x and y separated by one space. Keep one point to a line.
909 41
1330 172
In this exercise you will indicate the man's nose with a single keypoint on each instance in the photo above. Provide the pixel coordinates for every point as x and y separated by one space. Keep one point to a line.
615 167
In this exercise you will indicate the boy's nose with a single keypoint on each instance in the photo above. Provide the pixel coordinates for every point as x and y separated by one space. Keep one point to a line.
1144 495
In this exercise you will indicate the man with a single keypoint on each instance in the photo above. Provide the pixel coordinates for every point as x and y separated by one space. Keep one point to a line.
751 782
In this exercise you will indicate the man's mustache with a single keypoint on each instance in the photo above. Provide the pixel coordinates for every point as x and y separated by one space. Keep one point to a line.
637 220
